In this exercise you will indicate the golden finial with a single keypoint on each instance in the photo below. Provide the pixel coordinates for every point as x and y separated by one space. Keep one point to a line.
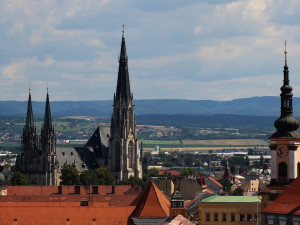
285 52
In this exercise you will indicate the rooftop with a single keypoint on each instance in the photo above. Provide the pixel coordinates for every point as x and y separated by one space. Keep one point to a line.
231 199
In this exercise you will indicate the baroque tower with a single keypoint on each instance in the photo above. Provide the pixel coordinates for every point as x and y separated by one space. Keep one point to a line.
124 158
38 157
285 156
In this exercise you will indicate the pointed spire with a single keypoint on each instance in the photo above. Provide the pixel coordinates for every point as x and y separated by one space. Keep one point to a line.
29 115
123 85
47 116
286 124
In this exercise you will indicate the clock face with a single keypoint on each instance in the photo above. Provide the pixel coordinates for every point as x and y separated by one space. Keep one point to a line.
282 152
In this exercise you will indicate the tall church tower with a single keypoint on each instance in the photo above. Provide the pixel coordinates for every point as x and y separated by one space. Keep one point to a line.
48 147
124 158
38 158
285 155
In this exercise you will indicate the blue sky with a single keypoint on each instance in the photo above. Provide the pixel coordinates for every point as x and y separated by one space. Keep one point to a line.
177 49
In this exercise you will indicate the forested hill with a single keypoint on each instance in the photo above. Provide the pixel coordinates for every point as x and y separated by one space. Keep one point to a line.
256 106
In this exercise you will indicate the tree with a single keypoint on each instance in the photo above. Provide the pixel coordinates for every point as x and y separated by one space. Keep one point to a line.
134 180
19 179
226 184
69 175
153 172
238 192
104 176
185 172
89 177
261 162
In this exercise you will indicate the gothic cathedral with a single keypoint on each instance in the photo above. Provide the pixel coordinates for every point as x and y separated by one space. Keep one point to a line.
124 157
38 158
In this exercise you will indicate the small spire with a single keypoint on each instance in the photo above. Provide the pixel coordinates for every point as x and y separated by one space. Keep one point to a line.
47 116
29 115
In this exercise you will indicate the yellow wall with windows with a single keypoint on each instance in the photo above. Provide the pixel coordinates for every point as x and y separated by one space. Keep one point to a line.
224 212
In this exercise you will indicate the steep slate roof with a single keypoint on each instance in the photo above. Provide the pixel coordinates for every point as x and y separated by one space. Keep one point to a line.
288 202
151 203
83 157
100 138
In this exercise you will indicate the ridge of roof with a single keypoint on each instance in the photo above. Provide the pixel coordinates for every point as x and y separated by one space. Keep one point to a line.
216 182
151 203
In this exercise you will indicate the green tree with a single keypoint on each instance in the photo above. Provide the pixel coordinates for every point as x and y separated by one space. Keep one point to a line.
104 176
69 175
238 192
153 172
135 180
185 172
247 161
19 179
89 177
226 184
261 162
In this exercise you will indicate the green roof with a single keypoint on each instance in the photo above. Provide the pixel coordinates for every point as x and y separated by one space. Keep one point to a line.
232 199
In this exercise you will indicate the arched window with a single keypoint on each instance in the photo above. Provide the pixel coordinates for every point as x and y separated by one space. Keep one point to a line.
118 157
130 154
282 172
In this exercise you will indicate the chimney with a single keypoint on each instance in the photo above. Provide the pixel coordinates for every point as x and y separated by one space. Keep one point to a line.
113 189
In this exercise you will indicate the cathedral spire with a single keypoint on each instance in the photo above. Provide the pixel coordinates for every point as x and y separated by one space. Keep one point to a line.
123 86
47 116
286 124
29 116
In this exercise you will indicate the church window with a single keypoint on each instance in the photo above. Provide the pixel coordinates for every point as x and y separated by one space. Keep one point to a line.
130 154
118 157
282 171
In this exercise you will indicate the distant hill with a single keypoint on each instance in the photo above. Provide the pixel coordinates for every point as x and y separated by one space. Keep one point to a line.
255 106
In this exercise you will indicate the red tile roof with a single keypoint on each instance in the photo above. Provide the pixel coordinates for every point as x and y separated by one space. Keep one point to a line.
151 203
216 182
288 202
169 173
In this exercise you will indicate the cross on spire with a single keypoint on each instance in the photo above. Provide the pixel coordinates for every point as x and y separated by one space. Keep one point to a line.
123 28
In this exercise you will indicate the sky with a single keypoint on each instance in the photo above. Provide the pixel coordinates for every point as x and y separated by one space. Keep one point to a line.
177 49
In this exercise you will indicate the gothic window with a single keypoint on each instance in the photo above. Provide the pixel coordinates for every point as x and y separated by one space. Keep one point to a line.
282 171
130 154
118 156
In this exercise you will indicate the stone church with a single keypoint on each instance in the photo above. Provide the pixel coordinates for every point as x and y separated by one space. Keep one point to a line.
114 146
38 160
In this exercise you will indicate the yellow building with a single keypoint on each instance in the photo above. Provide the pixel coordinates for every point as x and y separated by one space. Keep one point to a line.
229 210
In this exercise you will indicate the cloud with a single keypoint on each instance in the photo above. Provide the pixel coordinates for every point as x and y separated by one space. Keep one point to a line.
177 49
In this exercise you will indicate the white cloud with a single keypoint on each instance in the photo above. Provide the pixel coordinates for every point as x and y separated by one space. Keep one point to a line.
193 50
